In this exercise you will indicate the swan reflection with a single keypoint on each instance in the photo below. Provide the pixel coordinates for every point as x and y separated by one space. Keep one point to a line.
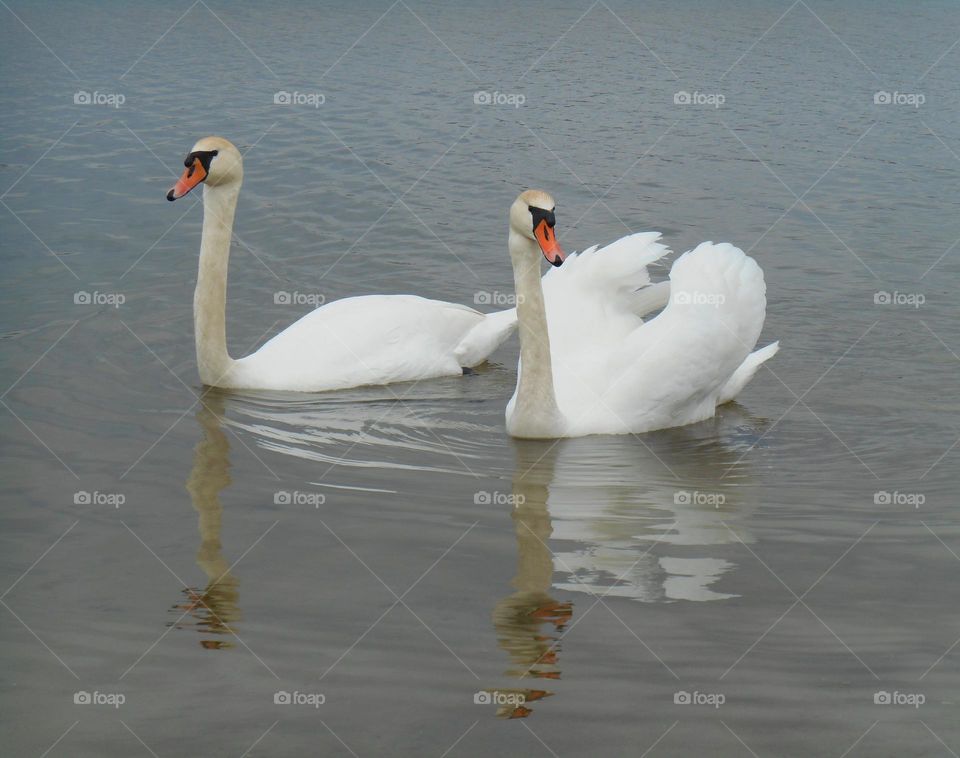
530 621
635 519
213 609
616 517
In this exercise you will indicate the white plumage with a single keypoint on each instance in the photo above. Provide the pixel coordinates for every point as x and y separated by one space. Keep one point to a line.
372 339
376 339
613 373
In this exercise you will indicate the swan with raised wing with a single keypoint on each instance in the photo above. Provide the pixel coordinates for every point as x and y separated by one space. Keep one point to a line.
373 339
590 364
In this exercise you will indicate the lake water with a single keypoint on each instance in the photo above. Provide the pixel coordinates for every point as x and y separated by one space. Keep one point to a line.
750 585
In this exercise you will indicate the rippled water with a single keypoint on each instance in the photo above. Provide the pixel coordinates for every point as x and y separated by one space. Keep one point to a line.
390 548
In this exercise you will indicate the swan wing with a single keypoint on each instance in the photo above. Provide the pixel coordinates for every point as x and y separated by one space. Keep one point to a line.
589 285
602 293
610 274
675 368
599 279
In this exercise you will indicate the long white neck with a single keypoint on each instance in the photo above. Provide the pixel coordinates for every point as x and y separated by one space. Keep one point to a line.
210 297
535 412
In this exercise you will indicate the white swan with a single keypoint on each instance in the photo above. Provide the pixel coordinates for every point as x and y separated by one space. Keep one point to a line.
375 339
588 362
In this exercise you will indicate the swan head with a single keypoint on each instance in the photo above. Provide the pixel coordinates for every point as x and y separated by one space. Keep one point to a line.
213 161
532 217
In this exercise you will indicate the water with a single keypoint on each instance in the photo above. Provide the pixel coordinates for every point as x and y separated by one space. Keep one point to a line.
748 558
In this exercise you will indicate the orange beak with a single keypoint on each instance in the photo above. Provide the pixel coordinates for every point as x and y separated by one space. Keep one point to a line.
191 177
547 239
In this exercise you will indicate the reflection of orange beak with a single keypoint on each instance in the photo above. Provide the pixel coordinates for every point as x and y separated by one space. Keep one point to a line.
192 176
547 238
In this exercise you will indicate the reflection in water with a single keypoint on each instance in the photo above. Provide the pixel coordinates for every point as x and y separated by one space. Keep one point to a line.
432 430
633 519
214 608
613 499
529 622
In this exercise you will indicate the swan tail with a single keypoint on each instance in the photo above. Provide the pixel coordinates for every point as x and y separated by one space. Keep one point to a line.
479 343
742 376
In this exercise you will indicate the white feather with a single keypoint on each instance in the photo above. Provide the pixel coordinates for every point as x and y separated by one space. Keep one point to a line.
614 373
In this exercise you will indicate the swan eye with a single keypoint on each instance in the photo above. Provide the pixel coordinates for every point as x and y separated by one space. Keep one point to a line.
204 156
540 214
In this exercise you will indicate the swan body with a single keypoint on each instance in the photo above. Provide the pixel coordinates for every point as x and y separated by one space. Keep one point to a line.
372 339
590 364
376 339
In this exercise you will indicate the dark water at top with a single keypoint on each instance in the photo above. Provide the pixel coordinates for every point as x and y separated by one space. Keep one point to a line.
793 557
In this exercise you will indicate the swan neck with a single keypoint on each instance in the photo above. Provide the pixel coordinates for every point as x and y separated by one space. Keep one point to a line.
536 413
210 298
531 519
209 476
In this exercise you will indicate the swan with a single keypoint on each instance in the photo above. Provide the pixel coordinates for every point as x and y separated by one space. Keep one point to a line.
590 364
356 341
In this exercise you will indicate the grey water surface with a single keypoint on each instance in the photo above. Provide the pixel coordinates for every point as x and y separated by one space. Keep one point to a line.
778 581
